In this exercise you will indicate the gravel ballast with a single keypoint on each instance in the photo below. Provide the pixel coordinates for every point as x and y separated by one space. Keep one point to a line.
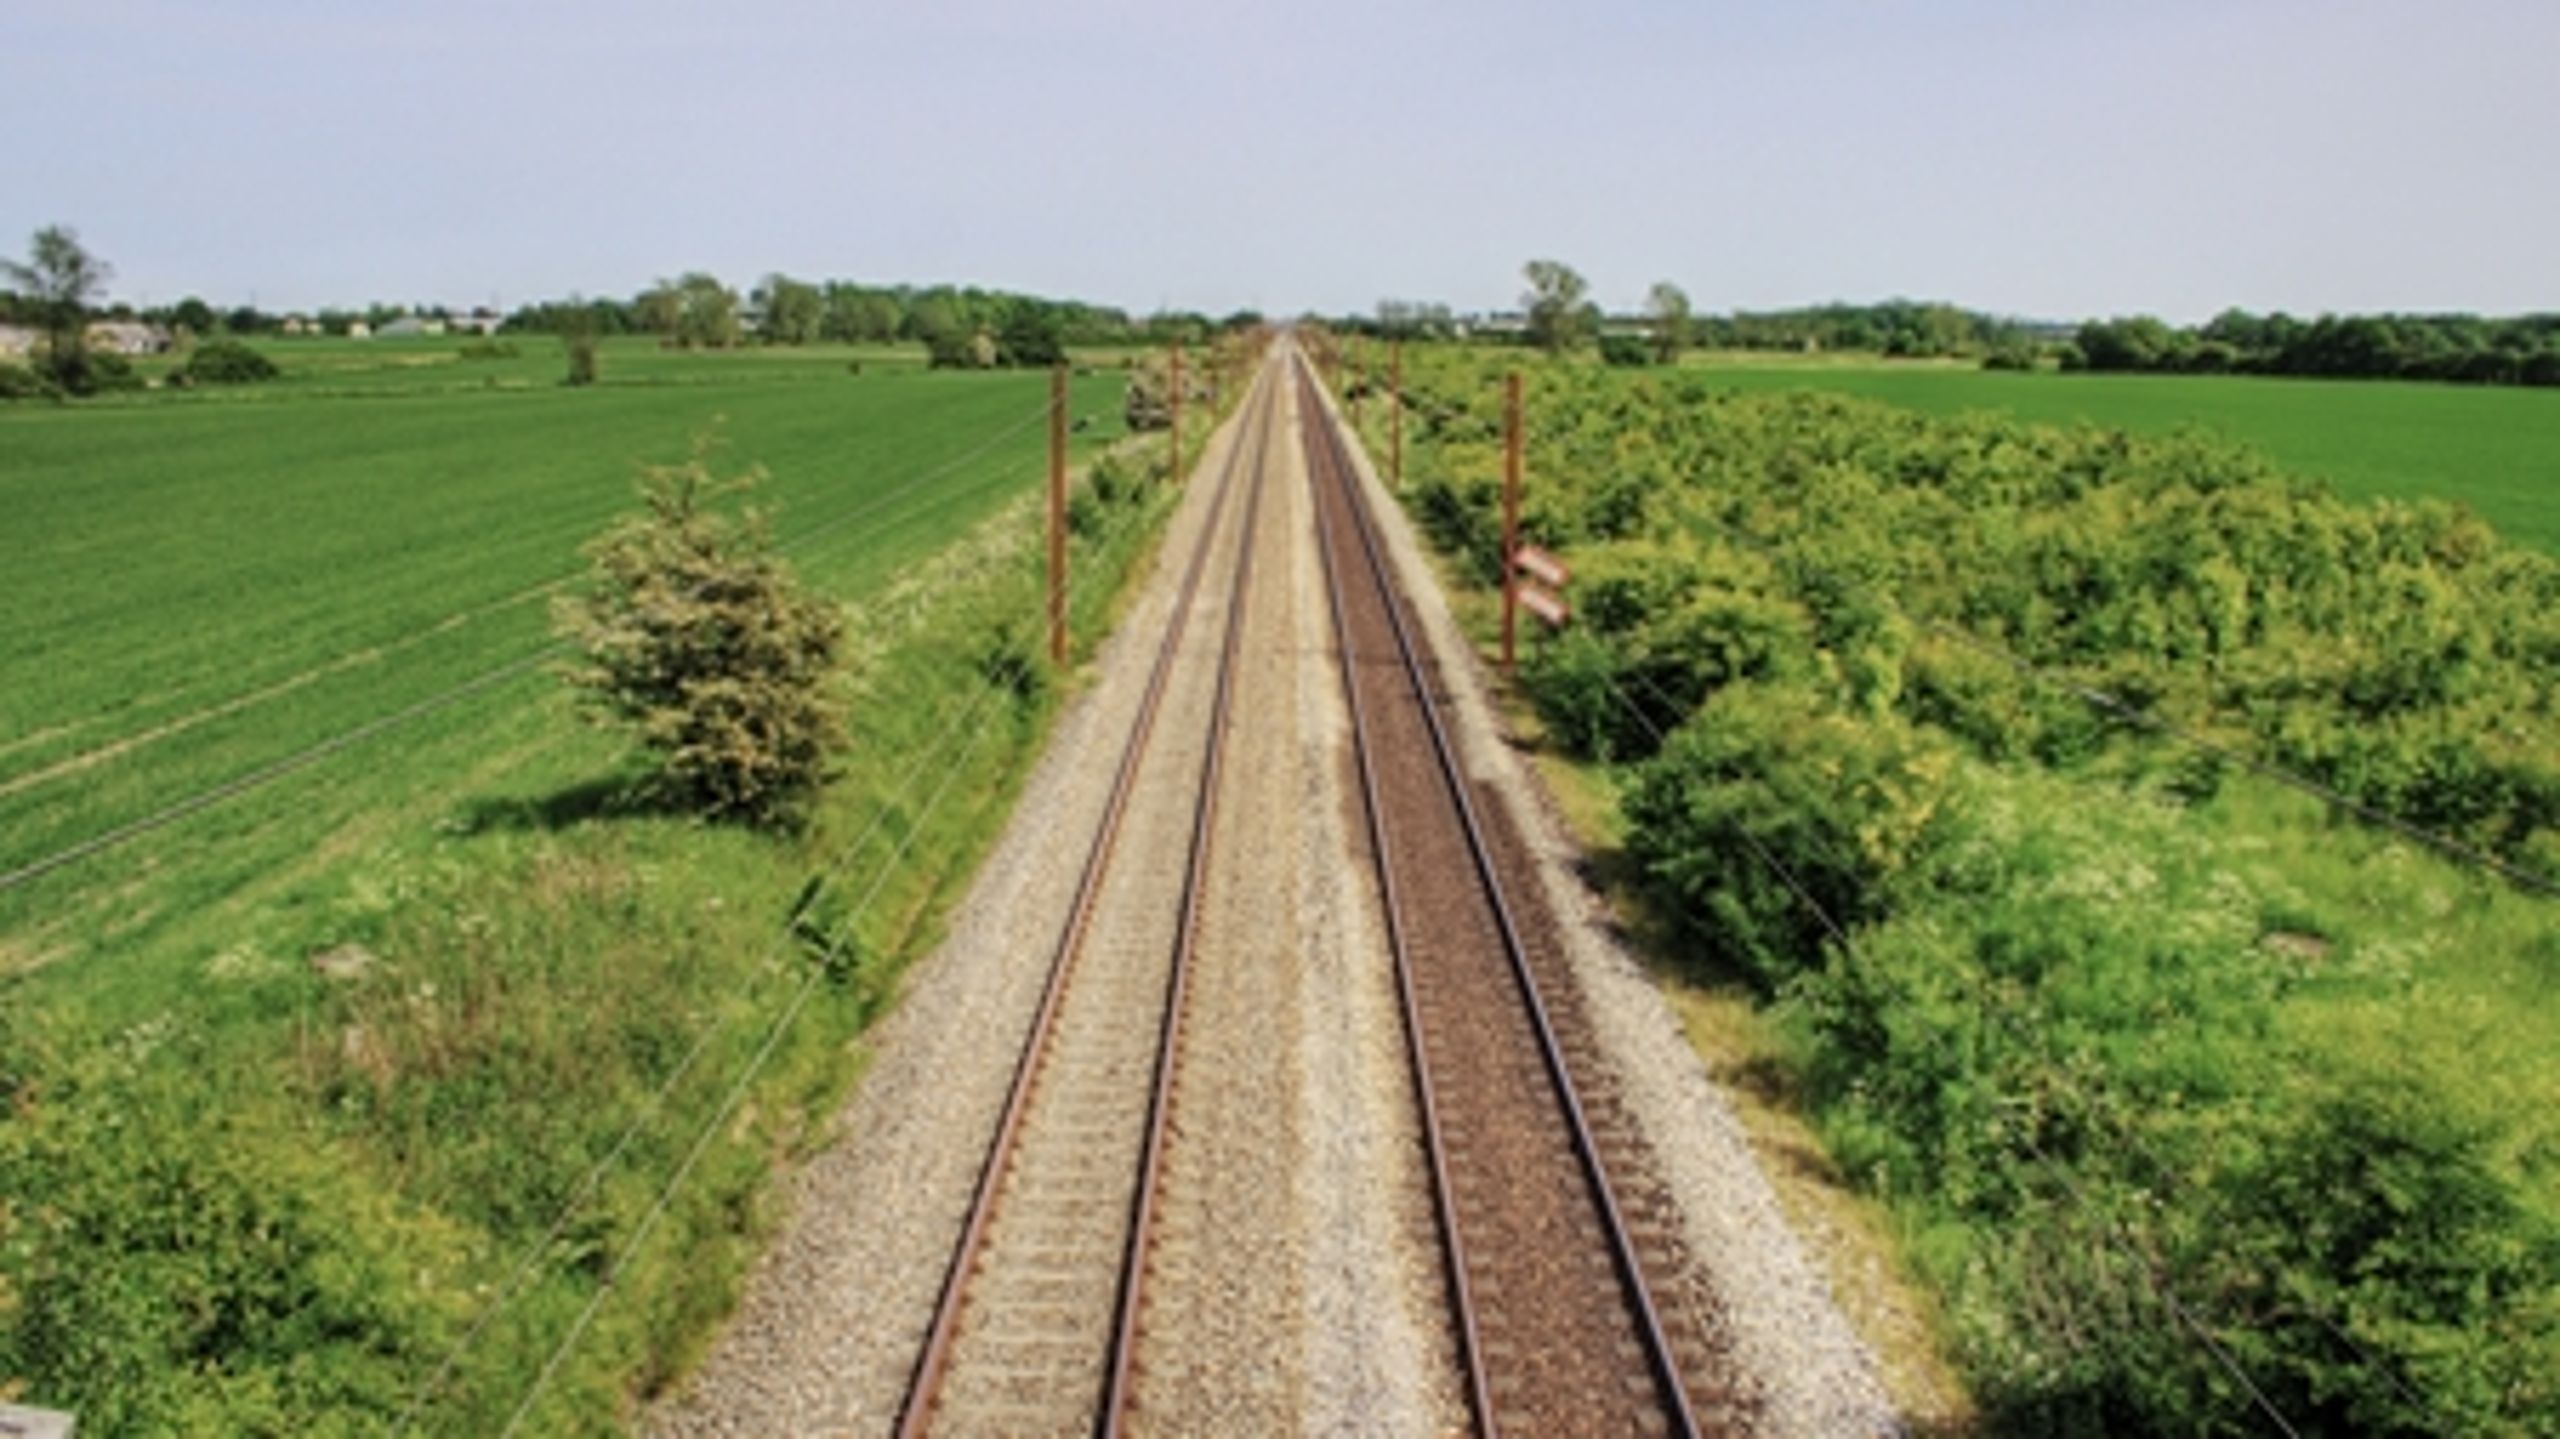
1812 1374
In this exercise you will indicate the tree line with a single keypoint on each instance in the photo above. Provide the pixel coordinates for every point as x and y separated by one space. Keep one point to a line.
2468 349
60 290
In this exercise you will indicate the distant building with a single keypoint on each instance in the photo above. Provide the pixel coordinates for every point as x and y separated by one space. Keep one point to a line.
359 330
127 337
17 341
478 322
411 325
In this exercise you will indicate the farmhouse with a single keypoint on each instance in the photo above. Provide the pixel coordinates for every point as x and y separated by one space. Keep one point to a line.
127 337
410 325
17 342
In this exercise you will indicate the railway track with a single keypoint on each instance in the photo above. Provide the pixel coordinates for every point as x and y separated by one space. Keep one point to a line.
1037 1316
1557 1325
1553 1319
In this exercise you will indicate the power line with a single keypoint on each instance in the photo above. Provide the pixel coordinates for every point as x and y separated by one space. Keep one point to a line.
335 744
1122 528
2161 724
737 1090
1840 936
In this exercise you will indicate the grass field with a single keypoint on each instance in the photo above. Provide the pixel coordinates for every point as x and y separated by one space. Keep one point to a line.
203 586
2495 449
289 1087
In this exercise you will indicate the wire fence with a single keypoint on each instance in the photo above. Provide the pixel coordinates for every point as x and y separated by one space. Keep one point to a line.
333 745
966 731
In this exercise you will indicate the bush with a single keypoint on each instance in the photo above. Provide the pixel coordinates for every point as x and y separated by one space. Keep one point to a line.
228 362
582 359
17 382
693 634
1770 778
1626 351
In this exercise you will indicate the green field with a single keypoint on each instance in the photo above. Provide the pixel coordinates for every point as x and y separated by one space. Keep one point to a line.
204 586
2495 449
289 1087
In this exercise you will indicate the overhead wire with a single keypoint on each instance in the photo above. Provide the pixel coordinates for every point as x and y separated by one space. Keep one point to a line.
1076 588
665 1198
333 745
1840 935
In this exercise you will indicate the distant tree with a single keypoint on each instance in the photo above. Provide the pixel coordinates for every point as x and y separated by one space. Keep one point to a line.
794 310
708 312
577 324
59 279
228 362
1034 335
876 317
691 632
1561 314
248 320
1668 308
193 313
660 310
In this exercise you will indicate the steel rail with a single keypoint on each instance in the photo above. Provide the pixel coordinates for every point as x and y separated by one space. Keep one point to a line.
933 1359
1638 1293
1119 1390
1417 1049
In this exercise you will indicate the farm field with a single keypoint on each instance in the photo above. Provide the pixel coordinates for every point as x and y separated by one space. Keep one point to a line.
2494 448
329 1056
227 583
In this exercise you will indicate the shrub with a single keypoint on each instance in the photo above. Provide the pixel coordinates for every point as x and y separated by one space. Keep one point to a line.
17 382
693 634
582 359
1626 351
1769 777
228 362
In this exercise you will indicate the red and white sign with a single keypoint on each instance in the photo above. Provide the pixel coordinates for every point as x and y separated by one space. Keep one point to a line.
1545 603
1538 565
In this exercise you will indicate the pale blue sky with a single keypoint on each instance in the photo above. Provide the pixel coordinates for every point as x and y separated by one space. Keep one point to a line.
2054 159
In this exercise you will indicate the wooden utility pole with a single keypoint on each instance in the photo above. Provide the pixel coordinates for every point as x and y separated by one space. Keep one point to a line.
1177 412
1395 414
1510 513
1058 514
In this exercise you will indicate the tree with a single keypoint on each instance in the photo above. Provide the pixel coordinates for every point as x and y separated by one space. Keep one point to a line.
794 310
1668 305
1560 314
709 313
660 310
61 278
194 314
692 633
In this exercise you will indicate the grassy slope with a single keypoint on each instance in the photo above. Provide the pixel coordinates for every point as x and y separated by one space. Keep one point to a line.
2490 448
539 953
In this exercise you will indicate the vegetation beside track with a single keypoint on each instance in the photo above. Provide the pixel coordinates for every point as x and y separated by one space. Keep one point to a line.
2491 448
290 1090
2178 1087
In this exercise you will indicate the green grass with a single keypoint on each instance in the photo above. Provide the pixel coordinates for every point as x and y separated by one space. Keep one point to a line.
2495 449
221 584
238 1192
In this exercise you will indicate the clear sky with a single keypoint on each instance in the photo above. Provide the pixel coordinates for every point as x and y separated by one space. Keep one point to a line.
2058 159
